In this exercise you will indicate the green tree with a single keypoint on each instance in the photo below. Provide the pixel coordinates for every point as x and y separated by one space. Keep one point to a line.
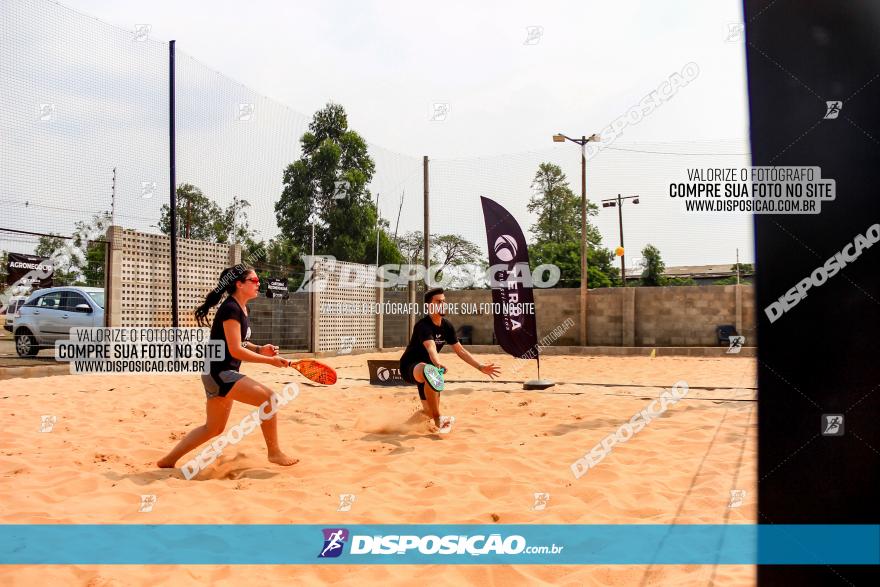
446 250
80 259
652 267
236 226
412 247
454 249
559 209
47 245
670 281
91 250
197 215
328 186
567 256
65 267
4 262
557 232
732 280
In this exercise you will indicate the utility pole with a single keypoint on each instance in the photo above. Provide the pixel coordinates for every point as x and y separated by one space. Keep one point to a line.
113 200
620 221
737 266
399 210
618 202
561 138
584 245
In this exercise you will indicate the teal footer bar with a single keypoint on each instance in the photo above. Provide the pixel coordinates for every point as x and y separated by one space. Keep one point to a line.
623 544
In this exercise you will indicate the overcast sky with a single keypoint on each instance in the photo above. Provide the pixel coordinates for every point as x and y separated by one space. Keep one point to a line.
509 87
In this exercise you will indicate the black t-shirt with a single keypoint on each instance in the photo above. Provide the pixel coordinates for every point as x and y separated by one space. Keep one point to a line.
426 330
228 310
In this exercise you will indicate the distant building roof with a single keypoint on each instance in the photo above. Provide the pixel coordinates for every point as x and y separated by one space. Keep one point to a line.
717 271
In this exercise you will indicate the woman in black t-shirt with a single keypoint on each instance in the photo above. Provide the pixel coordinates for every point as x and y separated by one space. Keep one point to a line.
224 384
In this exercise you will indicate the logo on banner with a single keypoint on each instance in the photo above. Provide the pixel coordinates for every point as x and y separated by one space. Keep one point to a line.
505 247
334 540
385 373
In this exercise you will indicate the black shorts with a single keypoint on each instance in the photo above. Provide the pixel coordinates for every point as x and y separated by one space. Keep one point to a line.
406 371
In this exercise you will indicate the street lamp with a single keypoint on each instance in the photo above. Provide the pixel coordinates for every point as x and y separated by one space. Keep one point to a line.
618 202
561 138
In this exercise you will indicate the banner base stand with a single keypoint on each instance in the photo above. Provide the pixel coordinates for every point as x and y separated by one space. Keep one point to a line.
538 384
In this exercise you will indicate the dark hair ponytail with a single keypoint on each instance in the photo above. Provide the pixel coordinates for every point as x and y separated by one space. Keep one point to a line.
226 284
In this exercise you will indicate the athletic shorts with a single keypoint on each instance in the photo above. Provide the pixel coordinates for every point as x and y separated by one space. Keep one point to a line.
219 384
406 371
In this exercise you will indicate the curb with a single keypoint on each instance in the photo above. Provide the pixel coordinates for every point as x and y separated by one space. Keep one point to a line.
28 372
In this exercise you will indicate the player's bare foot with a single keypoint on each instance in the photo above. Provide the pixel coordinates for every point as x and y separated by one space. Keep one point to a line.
164 463
279 458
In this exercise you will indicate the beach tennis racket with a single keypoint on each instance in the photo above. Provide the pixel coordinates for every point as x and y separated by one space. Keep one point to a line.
315 371
434 377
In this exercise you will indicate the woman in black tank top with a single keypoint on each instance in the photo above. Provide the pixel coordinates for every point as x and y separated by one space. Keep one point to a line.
224 383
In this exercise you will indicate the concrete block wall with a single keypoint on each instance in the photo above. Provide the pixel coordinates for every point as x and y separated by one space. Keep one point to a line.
632 316
682 316
138 294
284 323
604 316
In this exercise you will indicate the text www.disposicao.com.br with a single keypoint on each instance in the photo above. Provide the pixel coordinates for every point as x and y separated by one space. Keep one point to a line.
195 366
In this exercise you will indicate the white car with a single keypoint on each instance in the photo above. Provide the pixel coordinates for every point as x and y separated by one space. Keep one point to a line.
49 314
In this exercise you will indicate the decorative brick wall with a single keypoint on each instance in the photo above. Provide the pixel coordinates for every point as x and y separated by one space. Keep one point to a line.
334 329
139 277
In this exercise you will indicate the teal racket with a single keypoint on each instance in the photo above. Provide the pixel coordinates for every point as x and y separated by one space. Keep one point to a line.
434 377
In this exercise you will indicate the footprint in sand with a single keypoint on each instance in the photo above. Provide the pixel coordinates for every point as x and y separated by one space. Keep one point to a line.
402 450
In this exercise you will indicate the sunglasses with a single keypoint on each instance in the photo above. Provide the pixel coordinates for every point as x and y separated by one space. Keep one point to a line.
253 280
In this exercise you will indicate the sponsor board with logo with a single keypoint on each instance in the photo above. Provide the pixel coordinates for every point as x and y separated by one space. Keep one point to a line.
277 288
29 270
385 373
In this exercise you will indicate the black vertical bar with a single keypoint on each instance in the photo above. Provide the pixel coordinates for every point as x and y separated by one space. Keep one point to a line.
427 208
819 357
173 195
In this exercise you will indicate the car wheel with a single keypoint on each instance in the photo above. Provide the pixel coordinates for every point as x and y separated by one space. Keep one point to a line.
25 344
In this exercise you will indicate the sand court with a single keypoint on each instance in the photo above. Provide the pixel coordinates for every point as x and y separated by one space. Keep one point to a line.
694 464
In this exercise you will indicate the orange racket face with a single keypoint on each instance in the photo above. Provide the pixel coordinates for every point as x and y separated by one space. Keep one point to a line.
316 371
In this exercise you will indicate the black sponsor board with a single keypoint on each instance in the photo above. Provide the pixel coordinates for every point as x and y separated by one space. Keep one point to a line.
277 288
29 270
385 373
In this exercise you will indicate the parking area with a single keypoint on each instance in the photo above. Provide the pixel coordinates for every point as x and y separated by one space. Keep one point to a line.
9 358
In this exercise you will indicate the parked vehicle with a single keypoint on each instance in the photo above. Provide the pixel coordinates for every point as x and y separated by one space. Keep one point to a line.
9 315
49 314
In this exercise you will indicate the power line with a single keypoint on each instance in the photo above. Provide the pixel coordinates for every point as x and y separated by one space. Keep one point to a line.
672 153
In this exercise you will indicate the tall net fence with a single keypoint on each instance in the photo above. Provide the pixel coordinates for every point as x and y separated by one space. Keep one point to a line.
84 112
